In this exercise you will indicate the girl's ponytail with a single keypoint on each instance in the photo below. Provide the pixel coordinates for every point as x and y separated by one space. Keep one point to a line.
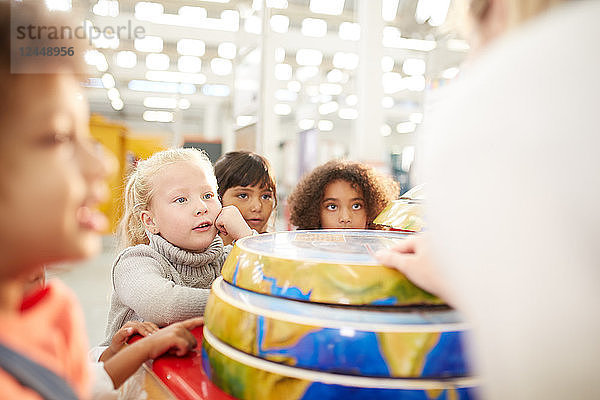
131 230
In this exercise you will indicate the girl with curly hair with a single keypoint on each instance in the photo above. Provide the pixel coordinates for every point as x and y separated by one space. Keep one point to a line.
341 195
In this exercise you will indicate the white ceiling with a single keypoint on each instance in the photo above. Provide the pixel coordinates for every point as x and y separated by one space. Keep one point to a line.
243 79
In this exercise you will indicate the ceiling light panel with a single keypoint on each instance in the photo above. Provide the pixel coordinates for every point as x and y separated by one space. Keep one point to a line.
389 9
161 87
331 7
253 24
305 124
387 64
416 117
157 62
280 23
216 90
385 130
325 125
283 72
413 66
108 81
94 57
193 13
104 40
106 8
58 5
221 66
117 104
176 77
286 95
345 60
113 94
305 73
450 73
392 82
351 100
126 59
294 86
149 44
328 108
337 76
227 50
158 116
282 109
349 31
387 102
145 10
189 64
279 54
415 83
348 113
432 11
160 102
332 89
191 47
245 120
281 4
406 127
184 104
309 57
314 27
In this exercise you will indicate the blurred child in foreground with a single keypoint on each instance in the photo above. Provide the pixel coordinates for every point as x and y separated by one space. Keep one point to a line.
51 179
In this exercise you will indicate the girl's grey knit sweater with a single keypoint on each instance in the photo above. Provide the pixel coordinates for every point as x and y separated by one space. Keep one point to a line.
162 283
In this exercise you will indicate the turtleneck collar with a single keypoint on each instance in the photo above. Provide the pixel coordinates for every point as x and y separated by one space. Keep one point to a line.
183 257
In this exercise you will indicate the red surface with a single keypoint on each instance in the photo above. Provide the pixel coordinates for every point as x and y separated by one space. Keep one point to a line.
185 377
402 230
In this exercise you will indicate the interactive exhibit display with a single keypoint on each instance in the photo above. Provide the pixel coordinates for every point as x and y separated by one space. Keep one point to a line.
312 315
404 214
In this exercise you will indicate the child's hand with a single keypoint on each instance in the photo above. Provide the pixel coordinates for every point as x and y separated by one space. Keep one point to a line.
230 222
175 338
412 257
125 333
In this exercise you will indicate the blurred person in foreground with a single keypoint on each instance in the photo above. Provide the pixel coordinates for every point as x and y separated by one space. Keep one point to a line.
515 249
52 177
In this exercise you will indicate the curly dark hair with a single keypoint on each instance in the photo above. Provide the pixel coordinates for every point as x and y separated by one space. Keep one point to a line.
305 201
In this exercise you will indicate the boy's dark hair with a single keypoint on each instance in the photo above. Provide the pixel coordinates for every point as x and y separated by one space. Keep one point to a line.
305 201
244 168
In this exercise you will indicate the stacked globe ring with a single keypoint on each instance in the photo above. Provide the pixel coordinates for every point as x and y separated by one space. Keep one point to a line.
310 314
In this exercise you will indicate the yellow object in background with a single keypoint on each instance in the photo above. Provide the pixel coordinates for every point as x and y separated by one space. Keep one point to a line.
127 149
112 136
404 214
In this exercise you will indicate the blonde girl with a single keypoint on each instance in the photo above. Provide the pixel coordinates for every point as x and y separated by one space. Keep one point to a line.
171 219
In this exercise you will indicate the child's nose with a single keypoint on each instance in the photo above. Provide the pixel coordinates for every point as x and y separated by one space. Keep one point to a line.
201 207
97 163
255 204
344 216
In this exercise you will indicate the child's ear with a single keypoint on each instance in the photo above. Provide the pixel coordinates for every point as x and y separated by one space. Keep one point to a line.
148 222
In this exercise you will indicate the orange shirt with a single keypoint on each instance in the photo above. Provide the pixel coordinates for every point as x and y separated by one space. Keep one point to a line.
50 331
